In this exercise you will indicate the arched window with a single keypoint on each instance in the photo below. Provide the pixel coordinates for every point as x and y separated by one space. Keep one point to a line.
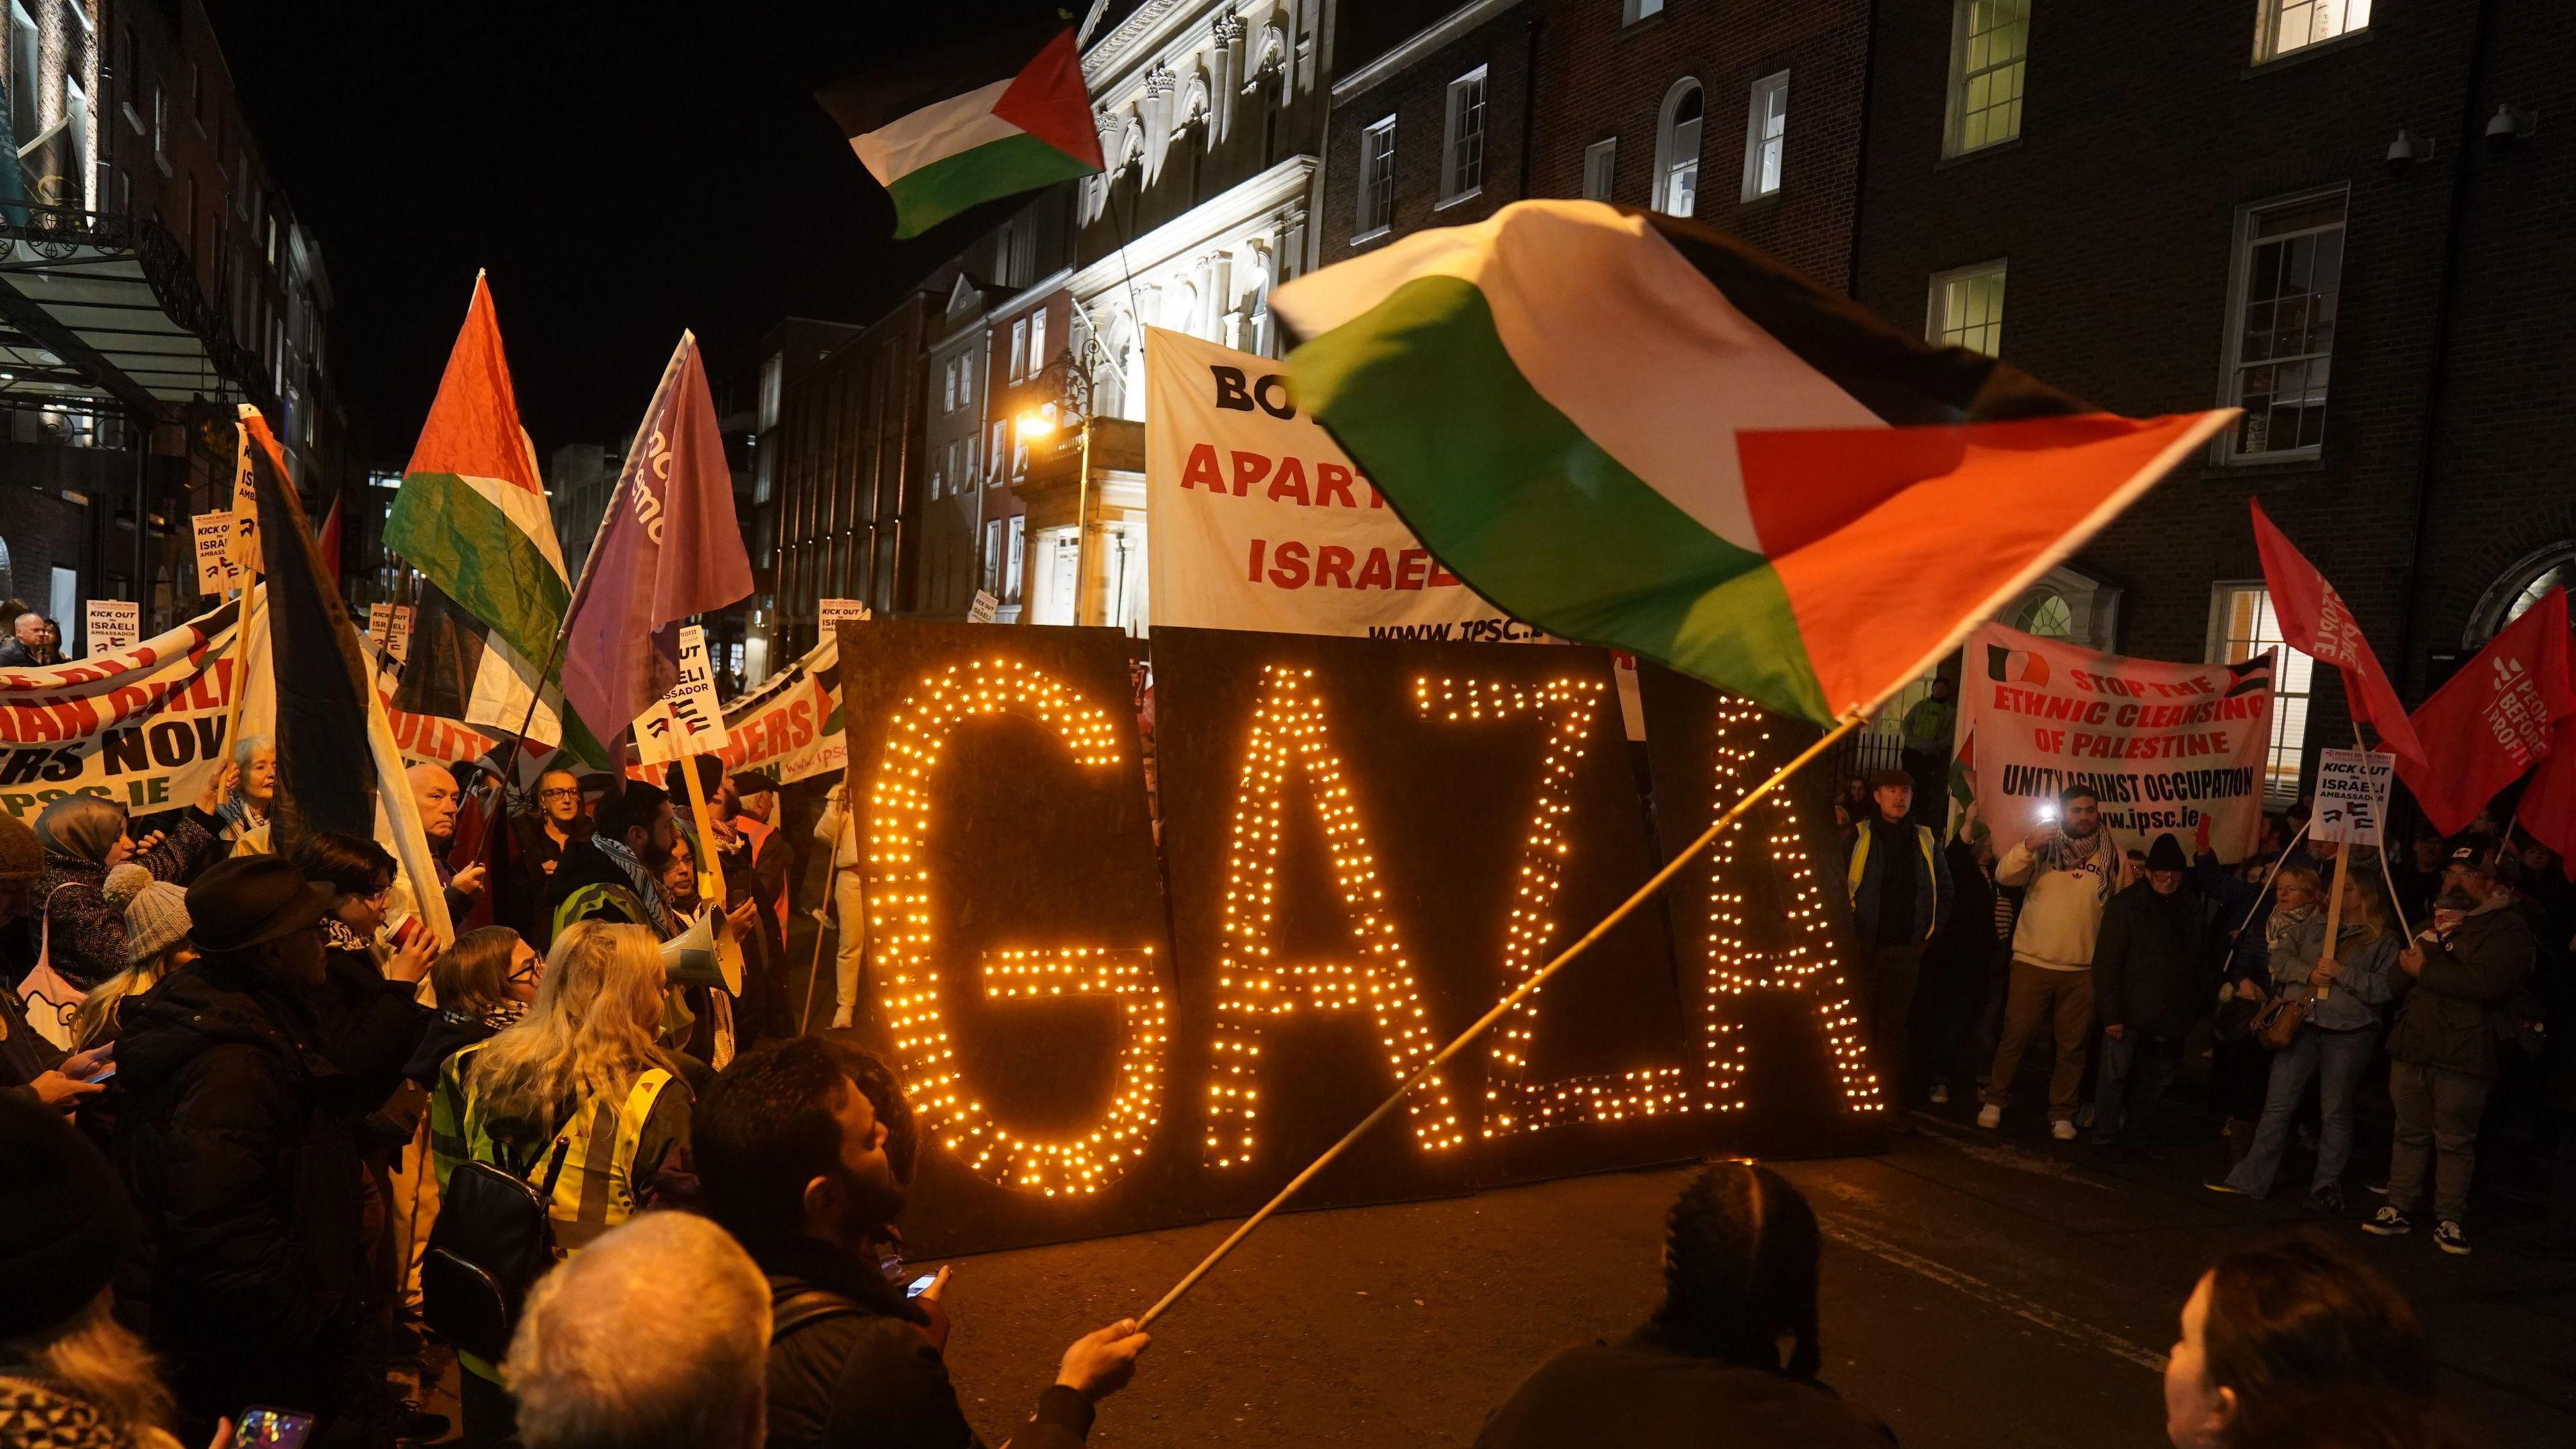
1677 149
2523 585
2047 615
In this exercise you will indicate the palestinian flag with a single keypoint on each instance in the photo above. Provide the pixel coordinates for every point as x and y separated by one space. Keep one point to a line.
970 124
471 516
1631 430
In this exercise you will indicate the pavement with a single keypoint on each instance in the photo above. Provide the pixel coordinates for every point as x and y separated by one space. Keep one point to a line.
1979 1289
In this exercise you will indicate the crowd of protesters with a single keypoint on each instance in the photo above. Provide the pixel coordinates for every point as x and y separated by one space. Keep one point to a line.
2443 1008
275 1158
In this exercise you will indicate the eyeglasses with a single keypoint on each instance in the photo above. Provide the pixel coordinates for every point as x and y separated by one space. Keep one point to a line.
560 792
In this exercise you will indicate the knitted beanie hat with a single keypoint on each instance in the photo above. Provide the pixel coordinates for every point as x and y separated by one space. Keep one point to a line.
156 912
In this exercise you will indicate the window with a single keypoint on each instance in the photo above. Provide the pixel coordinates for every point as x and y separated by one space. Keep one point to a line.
1677 150
1377 179
1766 135
948 390
2288 25
2241 626
1013 556
1632 11
26 53
1967 308
76 139
1600 166
994 455
1037 340
1019 349
2047 615
992 576
2289 267
1462 139
1988 39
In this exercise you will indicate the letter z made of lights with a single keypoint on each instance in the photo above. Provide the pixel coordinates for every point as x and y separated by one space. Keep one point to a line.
899 908
1512 1102
1805 964
1253 988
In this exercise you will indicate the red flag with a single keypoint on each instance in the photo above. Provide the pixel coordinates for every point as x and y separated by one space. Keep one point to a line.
329 542
2548 810
2494 719
2315 622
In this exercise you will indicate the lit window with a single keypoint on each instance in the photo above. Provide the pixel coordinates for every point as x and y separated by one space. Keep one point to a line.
948 391
2241 627
1677 150
1988 41
2288 25
1377 179
1967 308
1766 135
1019 349
1600 165
1014 556
1462 140
1632 11
1037 339
2289 270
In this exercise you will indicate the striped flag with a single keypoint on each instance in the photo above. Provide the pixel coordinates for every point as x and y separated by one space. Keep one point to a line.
1634 431
979 121
471 516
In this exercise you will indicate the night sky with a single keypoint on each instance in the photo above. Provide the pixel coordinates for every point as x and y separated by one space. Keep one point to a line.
623 171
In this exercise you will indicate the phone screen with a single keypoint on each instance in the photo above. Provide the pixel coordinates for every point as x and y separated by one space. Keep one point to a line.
266 1428
920 1285
104 1073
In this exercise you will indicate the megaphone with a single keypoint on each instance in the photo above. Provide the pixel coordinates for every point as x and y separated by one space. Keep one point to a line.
706 954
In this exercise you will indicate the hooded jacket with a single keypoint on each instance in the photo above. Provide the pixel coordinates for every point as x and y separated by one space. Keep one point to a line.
2448 1018
2148 966
230 1148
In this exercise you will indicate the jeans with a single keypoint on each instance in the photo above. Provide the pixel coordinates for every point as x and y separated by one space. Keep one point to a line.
1883 999
2334 1060
2437 1114
2063 1000
2136 1068
850 911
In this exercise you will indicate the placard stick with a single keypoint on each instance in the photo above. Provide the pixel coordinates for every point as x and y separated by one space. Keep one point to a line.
2334 907
1501 1009
2396 907
832 903
711 884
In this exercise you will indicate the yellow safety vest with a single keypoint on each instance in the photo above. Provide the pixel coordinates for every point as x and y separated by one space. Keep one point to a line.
596 1189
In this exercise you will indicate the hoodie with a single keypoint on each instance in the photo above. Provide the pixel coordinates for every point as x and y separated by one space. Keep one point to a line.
2061 907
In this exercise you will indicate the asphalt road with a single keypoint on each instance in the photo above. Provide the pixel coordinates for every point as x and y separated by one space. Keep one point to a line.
1979 1290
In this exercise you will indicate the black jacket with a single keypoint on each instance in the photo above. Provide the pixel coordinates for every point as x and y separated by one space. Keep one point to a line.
860 1373
232 1150
448 1033
581 864
2150 962
2448 1017
1643 1393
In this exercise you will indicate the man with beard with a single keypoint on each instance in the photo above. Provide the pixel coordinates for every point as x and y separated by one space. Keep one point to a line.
615 872
2070 869
802 1147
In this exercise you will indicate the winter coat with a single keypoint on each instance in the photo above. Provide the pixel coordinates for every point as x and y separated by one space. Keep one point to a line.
447 1033
1877 848
1644 1392
231 1149
2448 1017
2353 1004
1963 950
24 1055
87 934
861 1373
2147 963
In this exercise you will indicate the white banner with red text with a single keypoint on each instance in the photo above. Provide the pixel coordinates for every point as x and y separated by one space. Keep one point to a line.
2164 746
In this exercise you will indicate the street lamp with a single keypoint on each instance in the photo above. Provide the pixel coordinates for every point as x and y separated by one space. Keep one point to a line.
1065 384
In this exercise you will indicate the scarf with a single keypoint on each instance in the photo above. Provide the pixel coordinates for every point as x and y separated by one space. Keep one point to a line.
2065 852
640 878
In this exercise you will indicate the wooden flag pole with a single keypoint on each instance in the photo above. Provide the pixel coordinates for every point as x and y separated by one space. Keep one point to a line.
711 885
1502 1009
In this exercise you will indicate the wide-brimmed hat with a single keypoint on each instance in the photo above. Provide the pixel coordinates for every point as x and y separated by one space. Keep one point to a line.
251 900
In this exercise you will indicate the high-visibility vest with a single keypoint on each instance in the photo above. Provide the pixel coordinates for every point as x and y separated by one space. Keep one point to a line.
600 900
596 1189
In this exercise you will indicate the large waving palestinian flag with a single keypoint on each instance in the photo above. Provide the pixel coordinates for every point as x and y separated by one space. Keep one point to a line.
966 125
471 516
1634 431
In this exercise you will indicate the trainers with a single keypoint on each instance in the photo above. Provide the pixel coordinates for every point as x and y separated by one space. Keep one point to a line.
2325 1199
1990 1116
2448 1237
2388 1222
1940 1094
2220 1184
2062 1130
841 1018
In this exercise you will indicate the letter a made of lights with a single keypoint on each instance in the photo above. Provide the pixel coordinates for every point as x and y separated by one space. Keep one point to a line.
1513 1103
1805 963
899 910
1253 988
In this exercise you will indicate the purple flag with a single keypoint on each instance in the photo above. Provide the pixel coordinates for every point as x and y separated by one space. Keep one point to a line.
668 549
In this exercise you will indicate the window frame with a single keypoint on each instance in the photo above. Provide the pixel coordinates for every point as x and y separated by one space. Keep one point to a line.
1632 11
2220 642
1037 339
1376 210
1455 145
2232 340
1760 143
1668 158
1954 115
1936 312
1019 348
1601 157
2267 27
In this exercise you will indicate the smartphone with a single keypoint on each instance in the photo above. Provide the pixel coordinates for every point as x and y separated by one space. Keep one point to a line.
260 1427
104 1073
2048 812
920 1285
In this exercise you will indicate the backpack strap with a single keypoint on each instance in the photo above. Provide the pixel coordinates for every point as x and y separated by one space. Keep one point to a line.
805 1306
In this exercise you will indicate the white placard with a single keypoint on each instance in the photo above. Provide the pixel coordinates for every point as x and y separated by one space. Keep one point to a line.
398 634
686 720
2352 796
835 610
985 609
112 624
380 628
214 538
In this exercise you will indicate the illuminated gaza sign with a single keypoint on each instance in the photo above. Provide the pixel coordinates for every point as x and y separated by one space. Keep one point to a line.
1291 735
